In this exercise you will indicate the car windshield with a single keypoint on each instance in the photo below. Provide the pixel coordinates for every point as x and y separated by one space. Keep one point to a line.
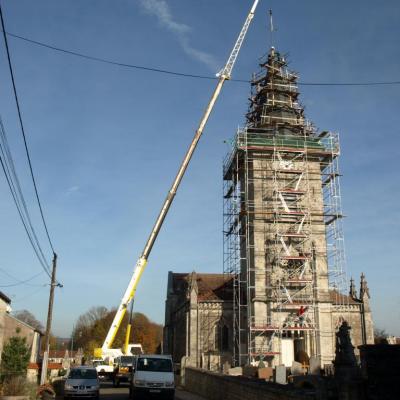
126 360
98 362
154 364
82 373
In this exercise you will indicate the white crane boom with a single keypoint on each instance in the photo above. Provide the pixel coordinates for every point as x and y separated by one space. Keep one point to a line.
223 75
227 70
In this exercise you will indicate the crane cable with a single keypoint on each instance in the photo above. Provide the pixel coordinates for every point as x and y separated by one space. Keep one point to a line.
22 128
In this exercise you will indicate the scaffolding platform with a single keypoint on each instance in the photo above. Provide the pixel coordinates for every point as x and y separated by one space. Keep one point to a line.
281 181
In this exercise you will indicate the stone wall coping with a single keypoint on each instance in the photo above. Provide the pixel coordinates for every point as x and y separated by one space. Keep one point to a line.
255 383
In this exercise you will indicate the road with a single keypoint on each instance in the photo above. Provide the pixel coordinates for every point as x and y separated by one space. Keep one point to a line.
108 392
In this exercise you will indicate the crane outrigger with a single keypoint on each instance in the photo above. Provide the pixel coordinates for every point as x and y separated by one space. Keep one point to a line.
223 75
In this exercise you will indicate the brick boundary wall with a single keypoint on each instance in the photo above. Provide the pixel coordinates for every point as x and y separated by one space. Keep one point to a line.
215 386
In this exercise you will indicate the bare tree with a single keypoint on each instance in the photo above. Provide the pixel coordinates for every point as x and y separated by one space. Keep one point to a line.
27 317
380 335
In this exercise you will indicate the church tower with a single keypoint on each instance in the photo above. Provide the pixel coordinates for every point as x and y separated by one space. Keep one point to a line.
283 241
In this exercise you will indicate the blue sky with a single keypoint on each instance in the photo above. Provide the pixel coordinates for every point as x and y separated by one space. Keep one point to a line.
106 141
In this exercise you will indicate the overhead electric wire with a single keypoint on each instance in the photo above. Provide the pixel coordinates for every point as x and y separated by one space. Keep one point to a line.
105 61
15 188
22 127
18 300
177 73
20 282
22 219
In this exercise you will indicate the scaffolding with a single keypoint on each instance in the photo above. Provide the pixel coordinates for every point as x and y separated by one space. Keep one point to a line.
283 238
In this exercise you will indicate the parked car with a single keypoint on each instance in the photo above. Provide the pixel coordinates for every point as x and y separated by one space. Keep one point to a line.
153 374
82 382
123 369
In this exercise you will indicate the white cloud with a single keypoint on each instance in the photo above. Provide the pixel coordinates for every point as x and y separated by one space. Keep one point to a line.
160 9
72 189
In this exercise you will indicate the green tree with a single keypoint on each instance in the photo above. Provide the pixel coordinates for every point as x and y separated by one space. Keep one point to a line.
91 329
15 357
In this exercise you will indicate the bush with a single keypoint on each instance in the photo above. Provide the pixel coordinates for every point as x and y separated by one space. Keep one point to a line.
19 386
15 386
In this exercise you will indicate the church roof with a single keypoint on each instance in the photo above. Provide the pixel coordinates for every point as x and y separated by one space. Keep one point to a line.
218 287
210 287
340 298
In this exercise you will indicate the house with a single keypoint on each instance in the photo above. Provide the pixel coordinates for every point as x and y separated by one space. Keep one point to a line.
11 326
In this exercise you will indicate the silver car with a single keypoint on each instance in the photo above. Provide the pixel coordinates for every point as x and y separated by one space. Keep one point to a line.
82 382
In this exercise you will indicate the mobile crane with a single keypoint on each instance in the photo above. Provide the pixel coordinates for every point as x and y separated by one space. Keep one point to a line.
223 75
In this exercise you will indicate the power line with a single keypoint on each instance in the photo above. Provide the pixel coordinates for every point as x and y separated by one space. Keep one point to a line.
37 252
30 294
19 282
16 191
105 61
22 126
181 74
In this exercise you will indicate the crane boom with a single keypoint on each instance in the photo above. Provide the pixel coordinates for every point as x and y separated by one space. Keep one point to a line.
129 294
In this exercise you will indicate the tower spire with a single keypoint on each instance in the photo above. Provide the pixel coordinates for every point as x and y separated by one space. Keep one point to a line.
364 290
353 290
271 28
274 101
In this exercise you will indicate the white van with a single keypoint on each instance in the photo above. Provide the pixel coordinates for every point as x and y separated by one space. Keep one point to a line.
153 374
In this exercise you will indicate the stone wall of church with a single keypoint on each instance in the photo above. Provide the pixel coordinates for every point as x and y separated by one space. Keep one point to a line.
200 331
261 205
215 335
176 330
352 313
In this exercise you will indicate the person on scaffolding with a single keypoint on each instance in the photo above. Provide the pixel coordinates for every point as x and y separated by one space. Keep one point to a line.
301 314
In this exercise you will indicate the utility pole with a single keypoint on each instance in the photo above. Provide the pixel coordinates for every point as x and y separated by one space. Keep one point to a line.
51 301
53 284
72 339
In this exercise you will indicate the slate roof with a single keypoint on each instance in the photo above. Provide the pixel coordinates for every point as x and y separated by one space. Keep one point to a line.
218 287
211 287
339 298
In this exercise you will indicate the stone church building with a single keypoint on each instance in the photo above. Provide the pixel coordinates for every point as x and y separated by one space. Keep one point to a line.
283 293
199 318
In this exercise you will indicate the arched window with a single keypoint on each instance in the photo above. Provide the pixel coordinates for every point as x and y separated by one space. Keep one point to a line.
224 338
